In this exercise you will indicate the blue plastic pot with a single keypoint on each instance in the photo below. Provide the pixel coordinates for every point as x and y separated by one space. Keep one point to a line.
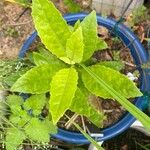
140 56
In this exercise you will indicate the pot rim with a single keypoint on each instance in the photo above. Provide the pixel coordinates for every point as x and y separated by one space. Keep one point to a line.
140 56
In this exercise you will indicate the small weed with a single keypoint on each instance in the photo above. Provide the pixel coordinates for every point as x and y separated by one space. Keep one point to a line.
11 31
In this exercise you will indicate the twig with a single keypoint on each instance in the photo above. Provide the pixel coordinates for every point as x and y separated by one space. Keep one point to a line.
69 123
83 123
21 14
129 64
19 24
88 131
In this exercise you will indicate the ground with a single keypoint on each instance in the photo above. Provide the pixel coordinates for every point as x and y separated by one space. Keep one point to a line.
13 30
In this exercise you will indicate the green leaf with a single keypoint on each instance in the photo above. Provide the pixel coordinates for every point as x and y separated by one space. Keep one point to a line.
45 57
36 80
81 105
77 25
14 138
40 59
12 78
63 87
40 131
101 44
89 30
75 46
67 60
116 65
20 118
51 27
72 6
141 116
14 100
35 103
113 78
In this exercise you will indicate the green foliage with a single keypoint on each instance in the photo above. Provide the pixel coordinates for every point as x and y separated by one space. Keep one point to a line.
81 105
39 130
37 79
11 70
72 46
72 6
52 29
77 25
65 81
14 138
101 44
116 65
145 120
35 103
24 124
109 76
46 57
90 38
14 100
140 14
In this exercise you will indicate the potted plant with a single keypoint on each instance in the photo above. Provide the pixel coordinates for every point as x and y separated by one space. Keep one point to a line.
68 76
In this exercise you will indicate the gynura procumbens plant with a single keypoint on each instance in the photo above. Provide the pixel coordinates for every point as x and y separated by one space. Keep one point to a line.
64 72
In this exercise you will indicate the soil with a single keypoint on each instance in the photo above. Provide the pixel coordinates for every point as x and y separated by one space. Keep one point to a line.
13 29
129 140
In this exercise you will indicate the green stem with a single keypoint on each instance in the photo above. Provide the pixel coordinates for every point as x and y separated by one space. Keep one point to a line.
86 135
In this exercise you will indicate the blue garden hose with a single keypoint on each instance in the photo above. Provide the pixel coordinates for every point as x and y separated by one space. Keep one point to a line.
140 56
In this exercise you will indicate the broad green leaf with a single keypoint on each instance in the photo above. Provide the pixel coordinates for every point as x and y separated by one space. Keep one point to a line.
72 6
138 114
71 28
62 90
89 30
116 65
12 78
81 105
36 80
40 59
67 60
45 57
75 46
113 78
77 25
51 27
47 54
35 103
14 138
40 130
101 44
